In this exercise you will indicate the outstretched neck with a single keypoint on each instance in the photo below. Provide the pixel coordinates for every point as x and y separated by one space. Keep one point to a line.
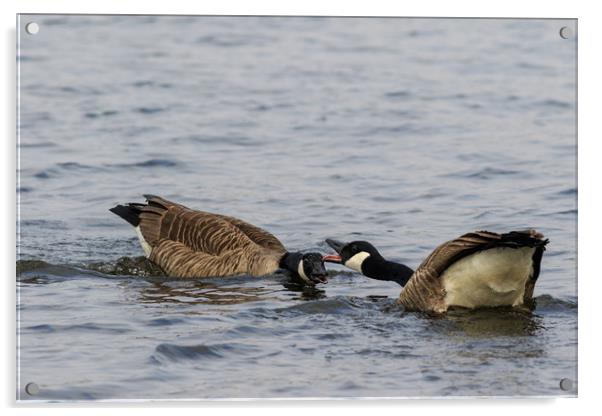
381 269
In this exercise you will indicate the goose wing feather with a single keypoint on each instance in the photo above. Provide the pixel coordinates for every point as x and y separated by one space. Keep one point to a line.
200 231
161 215
450 252
258 235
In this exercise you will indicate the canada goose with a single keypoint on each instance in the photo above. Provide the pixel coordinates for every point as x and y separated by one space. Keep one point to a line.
480 269
189 244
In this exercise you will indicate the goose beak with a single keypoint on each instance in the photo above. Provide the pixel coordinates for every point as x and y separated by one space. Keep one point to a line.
332 258
337 246
318 279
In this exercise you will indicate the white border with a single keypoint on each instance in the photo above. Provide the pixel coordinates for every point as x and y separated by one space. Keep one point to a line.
589 200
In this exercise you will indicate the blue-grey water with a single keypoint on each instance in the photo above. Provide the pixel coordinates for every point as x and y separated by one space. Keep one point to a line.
402 132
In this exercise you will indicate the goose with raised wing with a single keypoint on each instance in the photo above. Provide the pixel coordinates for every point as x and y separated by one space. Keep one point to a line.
479 269
187 243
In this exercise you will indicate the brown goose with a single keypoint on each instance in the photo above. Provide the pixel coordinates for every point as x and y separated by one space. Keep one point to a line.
480 269
187 243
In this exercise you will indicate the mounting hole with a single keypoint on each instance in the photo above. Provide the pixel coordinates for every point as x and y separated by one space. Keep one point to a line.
32 28
566 384
566 32
32 389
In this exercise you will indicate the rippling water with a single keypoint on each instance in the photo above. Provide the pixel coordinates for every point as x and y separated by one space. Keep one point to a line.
403 132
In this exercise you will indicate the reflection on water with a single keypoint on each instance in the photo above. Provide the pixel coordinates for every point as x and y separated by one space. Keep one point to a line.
199 293
489 323
304 291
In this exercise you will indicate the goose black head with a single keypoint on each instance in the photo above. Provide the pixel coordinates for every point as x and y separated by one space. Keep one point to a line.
311 267
307 266
362 257
352 254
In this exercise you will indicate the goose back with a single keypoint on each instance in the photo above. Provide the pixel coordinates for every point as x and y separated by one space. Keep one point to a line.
199 230
191 243
425 290
258 235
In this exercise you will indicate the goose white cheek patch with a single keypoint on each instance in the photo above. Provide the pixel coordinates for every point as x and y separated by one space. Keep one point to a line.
356 261
301 272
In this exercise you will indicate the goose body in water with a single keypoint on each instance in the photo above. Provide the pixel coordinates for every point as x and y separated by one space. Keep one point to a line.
187 243
480 269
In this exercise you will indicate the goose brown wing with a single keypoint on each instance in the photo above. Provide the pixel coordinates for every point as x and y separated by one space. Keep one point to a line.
451 251
424 291
178 260
160 206
201 231
258 235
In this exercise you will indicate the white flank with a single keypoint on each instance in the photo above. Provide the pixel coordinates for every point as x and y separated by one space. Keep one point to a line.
145 246
356 261
302 272
494 277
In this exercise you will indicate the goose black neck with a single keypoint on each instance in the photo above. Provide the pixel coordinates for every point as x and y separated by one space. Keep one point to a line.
381 269
290 261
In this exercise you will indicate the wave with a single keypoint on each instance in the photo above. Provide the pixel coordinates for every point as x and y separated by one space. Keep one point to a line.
485 173
230 40
331 306
85 327
398 94
153 84
98 114
178 352
149 110
555 104
550 303
235 140
60 169
174 353
124 266
150 163
38 144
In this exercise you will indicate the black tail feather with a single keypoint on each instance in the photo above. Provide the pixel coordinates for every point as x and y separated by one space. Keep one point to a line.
130 213
526 238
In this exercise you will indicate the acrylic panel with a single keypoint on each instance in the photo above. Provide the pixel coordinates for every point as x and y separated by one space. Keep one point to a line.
401 132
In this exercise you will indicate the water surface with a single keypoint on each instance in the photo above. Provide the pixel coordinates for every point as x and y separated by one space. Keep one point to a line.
402 132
